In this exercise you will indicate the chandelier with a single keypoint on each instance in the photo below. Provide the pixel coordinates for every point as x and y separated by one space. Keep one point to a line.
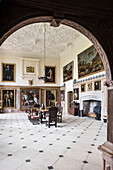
44 77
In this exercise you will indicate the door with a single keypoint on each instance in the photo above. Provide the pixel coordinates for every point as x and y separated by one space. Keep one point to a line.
70 104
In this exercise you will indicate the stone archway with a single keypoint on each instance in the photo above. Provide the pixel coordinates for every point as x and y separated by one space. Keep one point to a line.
107 147
72 24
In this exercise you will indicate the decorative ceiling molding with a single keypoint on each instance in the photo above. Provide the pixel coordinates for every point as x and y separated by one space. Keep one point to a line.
30 39
74 25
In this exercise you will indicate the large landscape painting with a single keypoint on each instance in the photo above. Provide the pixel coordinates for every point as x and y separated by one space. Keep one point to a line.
68 72
89 62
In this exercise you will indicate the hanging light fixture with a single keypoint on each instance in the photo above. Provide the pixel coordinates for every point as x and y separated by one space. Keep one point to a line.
44 77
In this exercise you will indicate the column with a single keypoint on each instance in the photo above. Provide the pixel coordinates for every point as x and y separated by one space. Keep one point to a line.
107 147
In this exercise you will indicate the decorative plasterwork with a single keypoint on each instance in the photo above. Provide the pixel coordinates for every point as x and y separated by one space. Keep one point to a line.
27 63
30 39
72 24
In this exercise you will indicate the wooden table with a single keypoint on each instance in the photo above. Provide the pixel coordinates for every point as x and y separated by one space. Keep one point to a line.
44 111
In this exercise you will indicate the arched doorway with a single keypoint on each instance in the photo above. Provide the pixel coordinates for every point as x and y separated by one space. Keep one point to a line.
75 26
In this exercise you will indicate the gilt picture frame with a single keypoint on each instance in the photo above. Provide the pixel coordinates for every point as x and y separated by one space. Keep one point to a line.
83 87
68 71
89 62
89 86
50 97
8 72
29 98
8 98
76 94
50 72
30 69
97 85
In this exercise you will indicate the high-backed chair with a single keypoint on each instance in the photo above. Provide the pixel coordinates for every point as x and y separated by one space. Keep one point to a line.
51 119
59 114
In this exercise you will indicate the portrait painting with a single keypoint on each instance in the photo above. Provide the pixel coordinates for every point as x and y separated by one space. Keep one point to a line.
30 69
68 72
50 98
8 72
97 85
83 87
29 98
76 94
8 98
50 73
89 86
89 62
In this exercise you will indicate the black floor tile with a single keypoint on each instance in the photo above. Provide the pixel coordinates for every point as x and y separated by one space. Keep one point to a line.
85 162
63 134
28 160
50 167
24 147
92 144
9 155
57 139
40 151
68 148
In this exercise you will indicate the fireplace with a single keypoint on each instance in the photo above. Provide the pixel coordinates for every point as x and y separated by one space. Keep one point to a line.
93 107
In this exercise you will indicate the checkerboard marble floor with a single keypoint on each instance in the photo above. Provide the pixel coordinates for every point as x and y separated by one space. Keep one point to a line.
70 146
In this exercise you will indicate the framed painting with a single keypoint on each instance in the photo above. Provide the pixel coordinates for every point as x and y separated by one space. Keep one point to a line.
89 86
29 98
83 87
8 98
50 98
89 62
68 72
97 85
50 72
76 94
30 69
8 72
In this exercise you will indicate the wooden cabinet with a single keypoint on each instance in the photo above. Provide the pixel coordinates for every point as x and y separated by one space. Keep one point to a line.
73 108
70 104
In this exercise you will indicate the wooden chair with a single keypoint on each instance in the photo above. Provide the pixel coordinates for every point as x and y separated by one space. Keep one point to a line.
33 117
51 118
59 114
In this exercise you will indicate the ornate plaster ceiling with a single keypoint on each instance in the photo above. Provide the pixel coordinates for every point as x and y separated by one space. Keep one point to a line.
30 39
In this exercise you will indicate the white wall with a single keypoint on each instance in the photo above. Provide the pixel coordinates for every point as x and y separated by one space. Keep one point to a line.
71 55
22 77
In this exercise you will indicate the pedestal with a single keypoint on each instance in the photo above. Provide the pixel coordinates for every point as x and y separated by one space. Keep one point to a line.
107 155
